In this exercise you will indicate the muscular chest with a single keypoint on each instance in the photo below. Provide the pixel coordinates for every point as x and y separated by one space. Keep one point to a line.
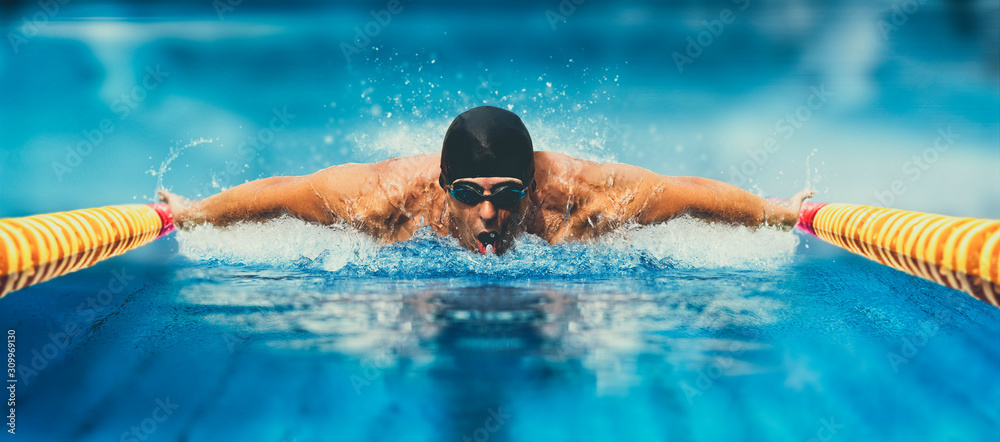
565 217
395 216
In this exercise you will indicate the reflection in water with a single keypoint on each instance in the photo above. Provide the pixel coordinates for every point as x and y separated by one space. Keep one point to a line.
265 353
479 348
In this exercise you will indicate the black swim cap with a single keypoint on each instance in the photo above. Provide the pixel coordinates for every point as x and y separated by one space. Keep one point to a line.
487 142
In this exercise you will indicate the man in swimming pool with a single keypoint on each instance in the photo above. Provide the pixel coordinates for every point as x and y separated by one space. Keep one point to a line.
487 186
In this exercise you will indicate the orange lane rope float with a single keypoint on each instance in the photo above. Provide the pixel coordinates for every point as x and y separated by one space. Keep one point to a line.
961 253
38 248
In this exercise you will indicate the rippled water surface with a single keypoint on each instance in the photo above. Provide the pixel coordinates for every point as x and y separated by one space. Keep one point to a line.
256 333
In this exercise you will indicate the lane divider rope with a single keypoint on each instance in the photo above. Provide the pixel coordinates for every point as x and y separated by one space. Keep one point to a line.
961 253
38 248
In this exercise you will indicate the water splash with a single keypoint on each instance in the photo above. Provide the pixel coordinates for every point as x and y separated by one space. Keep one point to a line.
294 245
281 243
175 152
410 114
812 180
695 244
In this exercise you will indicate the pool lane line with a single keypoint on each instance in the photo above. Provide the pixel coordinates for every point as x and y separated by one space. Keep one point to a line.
38 248
960 253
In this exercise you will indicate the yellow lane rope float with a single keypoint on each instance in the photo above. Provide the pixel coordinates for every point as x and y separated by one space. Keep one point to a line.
961 253
38 248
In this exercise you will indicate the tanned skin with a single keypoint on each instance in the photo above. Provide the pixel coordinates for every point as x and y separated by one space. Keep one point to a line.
573 200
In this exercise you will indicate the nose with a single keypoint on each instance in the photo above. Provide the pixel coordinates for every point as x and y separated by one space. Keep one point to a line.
487 210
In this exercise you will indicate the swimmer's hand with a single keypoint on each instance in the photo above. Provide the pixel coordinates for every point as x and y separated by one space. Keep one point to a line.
177 204
795 208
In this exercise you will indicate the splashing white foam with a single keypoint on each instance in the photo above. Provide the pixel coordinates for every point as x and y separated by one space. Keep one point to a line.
284 242
694 243
291 243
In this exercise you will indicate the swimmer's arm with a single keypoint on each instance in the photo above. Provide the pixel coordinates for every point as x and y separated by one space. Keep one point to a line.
324 197
661 198
259 200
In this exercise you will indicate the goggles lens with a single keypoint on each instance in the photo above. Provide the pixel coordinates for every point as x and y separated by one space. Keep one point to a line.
505 196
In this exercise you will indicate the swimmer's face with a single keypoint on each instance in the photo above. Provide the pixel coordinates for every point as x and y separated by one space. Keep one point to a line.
483 223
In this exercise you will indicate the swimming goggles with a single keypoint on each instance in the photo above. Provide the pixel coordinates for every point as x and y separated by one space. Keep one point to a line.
502 196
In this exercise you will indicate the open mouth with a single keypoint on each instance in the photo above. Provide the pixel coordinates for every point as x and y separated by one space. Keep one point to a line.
486 241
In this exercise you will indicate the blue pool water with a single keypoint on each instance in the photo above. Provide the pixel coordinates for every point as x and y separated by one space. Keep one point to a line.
683 331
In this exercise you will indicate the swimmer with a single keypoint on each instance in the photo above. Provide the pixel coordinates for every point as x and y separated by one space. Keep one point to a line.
487 186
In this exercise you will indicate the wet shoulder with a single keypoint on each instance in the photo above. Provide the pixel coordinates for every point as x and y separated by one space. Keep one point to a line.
414 166
408 194
561 174
378 196
576 198
355 180
408 177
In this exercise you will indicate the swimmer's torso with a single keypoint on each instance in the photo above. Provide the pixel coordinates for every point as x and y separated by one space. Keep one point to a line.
574 199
